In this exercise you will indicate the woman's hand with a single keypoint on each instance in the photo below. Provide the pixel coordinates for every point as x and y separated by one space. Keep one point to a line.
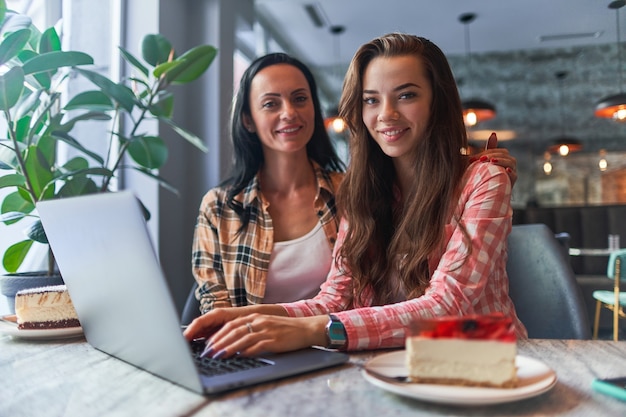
207 324
498 156
255 334
252 330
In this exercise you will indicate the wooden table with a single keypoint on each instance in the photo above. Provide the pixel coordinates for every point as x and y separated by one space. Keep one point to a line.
73 379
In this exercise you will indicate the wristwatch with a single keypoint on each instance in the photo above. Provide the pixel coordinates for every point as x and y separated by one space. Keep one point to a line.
335 333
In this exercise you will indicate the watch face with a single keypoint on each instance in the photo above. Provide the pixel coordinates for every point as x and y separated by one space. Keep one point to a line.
336 334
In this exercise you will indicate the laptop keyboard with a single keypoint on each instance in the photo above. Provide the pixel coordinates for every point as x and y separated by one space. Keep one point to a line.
211 367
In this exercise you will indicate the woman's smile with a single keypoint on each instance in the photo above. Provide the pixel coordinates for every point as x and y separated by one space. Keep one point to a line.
289 130
392 134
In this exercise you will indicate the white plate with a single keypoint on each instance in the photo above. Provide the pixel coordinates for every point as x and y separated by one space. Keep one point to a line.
534 378
8 327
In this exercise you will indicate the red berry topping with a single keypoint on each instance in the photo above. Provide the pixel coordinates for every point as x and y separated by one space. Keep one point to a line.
487 327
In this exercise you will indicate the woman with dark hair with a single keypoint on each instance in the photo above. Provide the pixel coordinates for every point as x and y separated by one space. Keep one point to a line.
267 233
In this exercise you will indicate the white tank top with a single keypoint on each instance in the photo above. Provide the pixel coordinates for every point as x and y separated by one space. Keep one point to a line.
298 267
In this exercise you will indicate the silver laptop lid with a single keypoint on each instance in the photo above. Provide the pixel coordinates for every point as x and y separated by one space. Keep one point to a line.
105 255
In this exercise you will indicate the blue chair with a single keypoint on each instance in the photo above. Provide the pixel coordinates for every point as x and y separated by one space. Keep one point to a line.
613 300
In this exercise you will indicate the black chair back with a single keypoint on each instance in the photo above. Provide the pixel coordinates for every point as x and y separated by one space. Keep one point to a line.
191 310
543 286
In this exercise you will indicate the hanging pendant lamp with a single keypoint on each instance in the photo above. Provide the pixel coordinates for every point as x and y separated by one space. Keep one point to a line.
614 107
474 110
333 122
563 145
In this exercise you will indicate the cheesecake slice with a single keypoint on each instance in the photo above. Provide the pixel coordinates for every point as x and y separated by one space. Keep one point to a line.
45 308
469 351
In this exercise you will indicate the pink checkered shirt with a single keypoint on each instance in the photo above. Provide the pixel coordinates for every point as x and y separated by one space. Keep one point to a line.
479 286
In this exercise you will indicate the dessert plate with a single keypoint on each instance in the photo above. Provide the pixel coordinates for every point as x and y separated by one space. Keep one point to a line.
534 378
8 326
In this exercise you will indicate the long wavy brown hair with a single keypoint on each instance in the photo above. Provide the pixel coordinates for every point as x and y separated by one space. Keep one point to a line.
384 236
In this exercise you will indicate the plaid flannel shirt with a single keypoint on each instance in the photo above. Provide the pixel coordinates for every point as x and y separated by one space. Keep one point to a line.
230 268
479 286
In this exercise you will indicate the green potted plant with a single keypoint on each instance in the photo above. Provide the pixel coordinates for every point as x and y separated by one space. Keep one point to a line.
37 121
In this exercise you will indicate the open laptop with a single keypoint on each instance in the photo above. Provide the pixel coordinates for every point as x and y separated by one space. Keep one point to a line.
105 255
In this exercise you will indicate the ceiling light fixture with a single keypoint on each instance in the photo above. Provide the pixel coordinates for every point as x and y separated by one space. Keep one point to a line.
333 123
614 107
316 14
564 145
570 36
474 110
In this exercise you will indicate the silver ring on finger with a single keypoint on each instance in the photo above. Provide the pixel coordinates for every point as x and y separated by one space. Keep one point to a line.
249 326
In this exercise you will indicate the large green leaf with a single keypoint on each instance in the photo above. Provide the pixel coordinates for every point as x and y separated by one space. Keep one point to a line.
40 80
130 58
26 55
26 196
76 164
164 67
3 165
90 116
7 155
118 92
54 124
148 151
12 217
79 182
164 107
22 129
39 124
12 180
155 49
34 37
47 149
194 63
35 232
49 41
43 79
39 172
11 86
90 100
79 185
190 137
64 137
104 172
15 255
27 103
158 179
13 44
14 21
56 59
16 202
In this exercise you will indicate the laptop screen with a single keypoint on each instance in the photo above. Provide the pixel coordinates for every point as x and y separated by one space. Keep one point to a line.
105 256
